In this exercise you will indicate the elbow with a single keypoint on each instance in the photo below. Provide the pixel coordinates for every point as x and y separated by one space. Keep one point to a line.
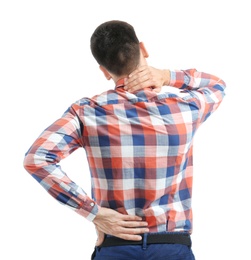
26 164
29 164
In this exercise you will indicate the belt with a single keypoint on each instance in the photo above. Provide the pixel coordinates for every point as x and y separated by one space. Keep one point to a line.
166 238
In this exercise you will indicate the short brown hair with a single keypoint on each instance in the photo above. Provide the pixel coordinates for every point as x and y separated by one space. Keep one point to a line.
115 46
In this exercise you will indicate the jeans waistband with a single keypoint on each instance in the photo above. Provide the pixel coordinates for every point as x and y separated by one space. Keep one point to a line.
151 238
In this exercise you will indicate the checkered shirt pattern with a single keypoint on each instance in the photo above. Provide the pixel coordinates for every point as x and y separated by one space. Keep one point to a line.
139 147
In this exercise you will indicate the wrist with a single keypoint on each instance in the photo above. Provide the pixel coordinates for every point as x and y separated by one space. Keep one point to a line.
166 77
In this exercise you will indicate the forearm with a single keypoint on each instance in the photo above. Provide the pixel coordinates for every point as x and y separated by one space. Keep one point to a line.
193 79
166 77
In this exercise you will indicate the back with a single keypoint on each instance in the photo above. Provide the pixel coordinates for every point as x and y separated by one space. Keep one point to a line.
139 149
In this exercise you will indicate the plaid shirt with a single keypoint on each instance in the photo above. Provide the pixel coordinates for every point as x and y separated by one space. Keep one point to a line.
139 148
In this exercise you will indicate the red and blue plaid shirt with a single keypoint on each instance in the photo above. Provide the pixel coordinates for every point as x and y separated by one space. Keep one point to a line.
139 148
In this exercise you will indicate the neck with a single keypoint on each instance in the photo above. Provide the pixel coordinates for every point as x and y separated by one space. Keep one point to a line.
142 62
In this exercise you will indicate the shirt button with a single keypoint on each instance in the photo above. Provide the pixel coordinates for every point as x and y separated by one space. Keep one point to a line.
92 204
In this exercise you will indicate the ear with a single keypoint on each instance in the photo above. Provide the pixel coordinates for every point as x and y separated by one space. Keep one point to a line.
143 49
106 73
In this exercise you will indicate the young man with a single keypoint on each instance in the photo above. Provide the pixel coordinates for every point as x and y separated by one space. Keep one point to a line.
139 144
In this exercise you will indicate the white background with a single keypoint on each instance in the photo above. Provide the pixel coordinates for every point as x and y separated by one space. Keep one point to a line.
46 64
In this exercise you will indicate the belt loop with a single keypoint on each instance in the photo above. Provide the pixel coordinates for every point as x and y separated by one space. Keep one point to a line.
144 244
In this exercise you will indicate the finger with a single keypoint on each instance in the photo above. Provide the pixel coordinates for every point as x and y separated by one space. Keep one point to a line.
133 233
131 237
134 224
138 77
137 85
131 217
138 70
135 82
157 89
138 74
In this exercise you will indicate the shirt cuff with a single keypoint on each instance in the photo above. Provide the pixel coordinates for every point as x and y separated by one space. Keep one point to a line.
89 211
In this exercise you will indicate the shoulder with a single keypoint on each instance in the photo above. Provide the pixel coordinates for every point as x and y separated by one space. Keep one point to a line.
104 98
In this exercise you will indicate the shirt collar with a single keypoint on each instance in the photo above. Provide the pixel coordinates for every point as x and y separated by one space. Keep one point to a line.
120 83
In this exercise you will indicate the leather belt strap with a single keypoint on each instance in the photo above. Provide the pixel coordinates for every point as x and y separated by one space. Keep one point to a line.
167 238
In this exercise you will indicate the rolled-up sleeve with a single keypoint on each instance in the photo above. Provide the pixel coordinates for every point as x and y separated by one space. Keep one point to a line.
202 90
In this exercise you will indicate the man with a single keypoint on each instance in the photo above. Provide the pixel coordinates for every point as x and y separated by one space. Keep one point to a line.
138 139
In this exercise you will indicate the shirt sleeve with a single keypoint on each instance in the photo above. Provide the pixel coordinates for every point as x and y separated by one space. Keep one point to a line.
204 92
55 143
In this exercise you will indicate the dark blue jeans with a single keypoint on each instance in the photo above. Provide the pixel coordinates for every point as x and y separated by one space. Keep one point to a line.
144 252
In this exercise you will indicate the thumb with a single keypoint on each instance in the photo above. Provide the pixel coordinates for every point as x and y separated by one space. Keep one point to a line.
101 237
157 89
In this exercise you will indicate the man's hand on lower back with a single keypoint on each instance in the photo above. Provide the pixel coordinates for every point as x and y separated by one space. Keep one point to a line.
111 222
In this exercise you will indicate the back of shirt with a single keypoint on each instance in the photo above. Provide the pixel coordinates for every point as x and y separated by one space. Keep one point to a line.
139 150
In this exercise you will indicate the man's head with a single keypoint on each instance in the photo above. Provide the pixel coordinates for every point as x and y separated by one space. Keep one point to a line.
116 48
